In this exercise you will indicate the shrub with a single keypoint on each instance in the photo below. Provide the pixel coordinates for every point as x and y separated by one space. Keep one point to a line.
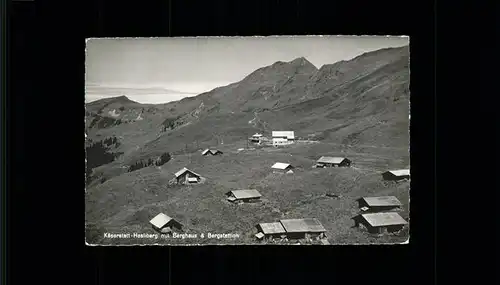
162 159
111 141
104 122
170 123
135 166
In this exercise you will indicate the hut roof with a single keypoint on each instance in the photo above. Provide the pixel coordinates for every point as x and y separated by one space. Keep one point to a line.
183 170
272 228
302 225
381 201
384 219
280 165
287 134
245 194
160 220
212 151
329 159
400 172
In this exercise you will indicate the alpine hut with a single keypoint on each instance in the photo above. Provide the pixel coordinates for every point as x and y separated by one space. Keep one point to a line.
186 176
283 137
328 161
246 196
280 167
395 175
270 230
256 138
303 228
378 204
165 224
380 222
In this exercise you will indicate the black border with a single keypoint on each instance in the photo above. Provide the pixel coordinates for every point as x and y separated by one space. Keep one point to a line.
19 88
50 136
3 164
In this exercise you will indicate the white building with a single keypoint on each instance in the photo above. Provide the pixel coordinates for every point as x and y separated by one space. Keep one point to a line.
256 138
280 167
283 137
281 141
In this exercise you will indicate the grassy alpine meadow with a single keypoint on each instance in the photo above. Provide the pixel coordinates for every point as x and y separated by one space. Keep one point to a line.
126 203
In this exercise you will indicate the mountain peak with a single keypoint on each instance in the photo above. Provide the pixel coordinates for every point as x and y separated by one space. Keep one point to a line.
302 61
122 97
299 65
119 99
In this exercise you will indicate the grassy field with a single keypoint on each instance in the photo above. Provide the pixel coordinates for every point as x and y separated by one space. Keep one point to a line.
128 201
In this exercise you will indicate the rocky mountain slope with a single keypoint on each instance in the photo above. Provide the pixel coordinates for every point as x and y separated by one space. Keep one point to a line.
358 107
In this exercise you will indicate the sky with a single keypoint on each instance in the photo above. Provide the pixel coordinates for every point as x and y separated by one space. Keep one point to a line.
160 70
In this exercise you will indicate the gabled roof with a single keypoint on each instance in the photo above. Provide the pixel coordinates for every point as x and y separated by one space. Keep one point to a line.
287 134
272 228
257 135
384 219
382 201
399 172
302 225
183 170
329 159
245 194
160 220
212 151
280 165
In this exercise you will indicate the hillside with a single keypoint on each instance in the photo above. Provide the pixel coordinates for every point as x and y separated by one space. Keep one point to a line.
358 108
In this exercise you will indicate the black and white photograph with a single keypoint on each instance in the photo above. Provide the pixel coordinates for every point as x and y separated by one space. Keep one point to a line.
281 140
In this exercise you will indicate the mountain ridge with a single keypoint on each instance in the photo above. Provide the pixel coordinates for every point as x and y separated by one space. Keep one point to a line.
326 68
295 63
